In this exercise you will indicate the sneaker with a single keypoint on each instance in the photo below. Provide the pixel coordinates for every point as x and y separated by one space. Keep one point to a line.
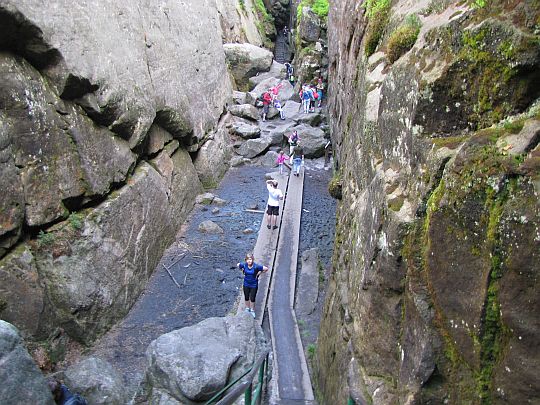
268 226
275 227
247 310
253 313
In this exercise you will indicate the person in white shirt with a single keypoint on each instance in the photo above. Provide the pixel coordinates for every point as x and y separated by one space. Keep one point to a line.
274 195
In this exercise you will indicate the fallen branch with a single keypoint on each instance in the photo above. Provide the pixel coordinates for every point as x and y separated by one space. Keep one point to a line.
255 211
173 279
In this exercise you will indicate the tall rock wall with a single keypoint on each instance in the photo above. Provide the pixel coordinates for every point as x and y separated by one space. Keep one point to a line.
112 116
434 296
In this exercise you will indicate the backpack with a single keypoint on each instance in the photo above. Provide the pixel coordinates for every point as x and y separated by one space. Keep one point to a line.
315 95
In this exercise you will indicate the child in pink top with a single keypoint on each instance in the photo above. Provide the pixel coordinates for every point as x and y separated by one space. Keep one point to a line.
282 157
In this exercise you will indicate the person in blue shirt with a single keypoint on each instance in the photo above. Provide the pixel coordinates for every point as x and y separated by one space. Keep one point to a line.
251 271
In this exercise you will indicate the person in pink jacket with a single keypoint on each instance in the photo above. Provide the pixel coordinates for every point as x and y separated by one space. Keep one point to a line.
282 157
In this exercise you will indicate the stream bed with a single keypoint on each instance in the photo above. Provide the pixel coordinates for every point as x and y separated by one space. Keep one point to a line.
203 265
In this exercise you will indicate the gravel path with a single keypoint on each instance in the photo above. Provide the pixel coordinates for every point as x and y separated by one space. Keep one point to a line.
203 265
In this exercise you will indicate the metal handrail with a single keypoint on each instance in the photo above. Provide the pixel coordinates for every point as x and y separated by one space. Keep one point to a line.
245 386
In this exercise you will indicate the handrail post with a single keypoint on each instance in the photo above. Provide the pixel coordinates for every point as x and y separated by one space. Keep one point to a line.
247 395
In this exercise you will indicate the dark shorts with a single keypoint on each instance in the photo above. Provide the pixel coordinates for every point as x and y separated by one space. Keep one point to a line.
266 108
271 210
250 293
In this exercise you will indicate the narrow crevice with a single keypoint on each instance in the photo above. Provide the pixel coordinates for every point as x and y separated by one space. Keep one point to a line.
422 207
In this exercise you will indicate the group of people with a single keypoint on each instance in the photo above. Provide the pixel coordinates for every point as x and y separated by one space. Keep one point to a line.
310 95
270 97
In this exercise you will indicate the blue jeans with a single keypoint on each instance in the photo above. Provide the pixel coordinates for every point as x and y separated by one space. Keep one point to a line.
297 162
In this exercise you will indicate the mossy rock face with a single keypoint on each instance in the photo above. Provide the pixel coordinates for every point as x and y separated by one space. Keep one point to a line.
493 71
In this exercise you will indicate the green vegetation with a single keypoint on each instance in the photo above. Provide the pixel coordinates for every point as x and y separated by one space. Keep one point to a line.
45 238
377 12
242 5
319 7
312 350
335 186
479 3
403 38
76 220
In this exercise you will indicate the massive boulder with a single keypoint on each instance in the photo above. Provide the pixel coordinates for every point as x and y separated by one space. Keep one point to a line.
245 61
285 93
245 111
246 130
277 71
309 26
22 381
254 147
100 108
193 363
97 381
312 140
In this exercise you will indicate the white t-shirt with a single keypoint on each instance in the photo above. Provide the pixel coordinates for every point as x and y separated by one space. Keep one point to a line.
274 195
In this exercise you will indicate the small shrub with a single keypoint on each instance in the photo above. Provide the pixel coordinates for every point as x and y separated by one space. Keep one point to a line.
319 7
312 350
242 5
335 186
403 38
45 238
373 7
76 220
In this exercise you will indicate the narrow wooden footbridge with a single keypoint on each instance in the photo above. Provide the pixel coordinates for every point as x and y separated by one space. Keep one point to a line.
290 382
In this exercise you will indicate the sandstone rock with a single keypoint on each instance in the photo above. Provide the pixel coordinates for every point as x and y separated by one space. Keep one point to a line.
253 147
193 363
239 97
269 159
239 161
311 119
129 102
312 140
246 60
248 231
239 25
245 111
205 198
251 98
97 381
522 142
21 293
212 160
285 93
292 109
219 201
277 133
246 130
277 71
156 139
210 227
19 368
310 26
87 303
215 211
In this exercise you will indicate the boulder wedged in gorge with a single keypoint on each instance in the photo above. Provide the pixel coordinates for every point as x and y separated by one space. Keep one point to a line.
436 238
194 363
245 61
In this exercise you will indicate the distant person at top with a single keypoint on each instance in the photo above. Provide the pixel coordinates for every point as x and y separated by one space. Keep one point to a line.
290 73
272 211
320 88
298 159
285 31
251 271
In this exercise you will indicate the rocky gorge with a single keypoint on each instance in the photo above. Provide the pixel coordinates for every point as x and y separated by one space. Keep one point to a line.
116 117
